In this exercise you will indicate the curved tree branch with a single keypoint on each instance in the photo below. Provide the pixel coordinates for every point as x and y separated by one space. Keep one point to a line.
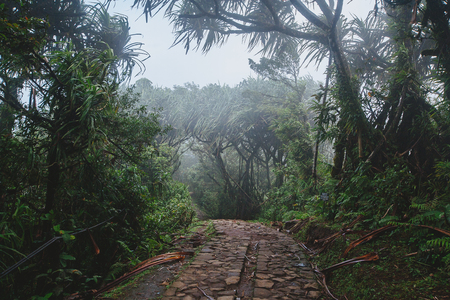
326 10
309 15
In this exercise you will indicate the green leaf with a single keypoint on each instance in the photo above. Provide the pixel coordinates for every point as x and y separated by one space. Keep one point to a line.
65 256
388 219
45 217
67 237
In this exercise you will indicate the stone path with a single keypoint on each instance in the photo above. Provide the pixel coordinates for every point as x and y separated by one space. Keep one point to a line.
246 261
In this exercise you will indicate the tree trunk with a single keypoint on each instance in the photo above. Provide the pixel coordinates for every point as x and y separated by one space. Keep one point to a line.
52 184
324 101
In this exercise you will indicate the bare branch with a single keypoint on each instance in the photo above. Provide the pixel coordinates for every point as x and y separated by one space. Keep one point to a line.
337 14
245 19
309 15
257 27
326 10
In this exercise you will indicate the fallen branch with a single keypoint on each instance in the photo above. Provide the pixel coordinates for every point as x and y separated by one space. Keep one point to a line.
387 212
307 250
435 228
343 231
320 273
208 297
299 225
365 258
366 238
323 282
372 234
411 254
154 261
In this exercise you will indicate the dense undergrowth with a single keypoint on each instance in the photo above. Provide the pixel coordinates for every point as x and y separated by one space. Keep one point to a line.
138 225
413 255
406 268
86 188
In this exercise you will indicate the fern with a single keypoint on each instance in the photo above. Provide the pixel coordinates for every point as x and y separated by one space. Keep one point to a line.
446 261
444 246
430 212
443 242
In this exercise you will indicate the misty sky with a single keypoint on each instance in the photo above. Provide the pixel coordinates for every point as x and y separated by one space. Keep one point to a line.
225 65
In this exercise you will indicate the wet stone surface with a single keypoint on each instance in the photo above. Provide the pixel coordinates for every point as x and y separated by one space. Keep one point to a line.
246 261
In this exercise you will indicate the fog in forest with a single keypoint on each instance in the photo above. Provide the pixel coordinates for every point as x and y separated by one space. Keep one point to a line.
125 130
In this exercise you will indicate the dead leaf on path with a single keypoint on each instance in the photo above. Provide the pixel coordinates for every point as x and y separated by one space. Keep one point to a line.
165 283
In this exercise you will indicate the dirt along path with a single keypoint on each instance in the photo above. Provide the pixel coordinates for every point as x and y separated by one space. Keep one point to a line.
246 261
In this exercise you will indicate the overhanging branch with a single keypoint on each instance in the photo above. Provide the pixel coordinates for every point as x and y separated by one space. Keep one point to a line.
309 15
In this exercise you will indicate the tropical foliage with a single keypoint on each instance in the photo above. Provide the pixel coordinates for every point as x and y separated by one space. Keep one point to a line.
77 153
384 105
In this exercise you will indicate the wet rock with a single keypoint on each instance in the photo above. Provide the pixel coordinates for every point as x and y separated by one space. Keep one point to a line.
170 292
313 294
262 293
311 285
282 270
178 284
226 298
232 280
263 276
264 283
229 293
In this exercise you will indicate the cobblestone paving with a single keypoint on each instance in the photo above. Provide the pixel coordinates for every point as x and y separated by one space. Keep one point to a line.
249 259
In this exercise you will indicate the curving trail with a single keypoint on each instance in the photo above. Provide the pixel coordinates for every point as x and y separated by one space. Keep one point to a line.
246 261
